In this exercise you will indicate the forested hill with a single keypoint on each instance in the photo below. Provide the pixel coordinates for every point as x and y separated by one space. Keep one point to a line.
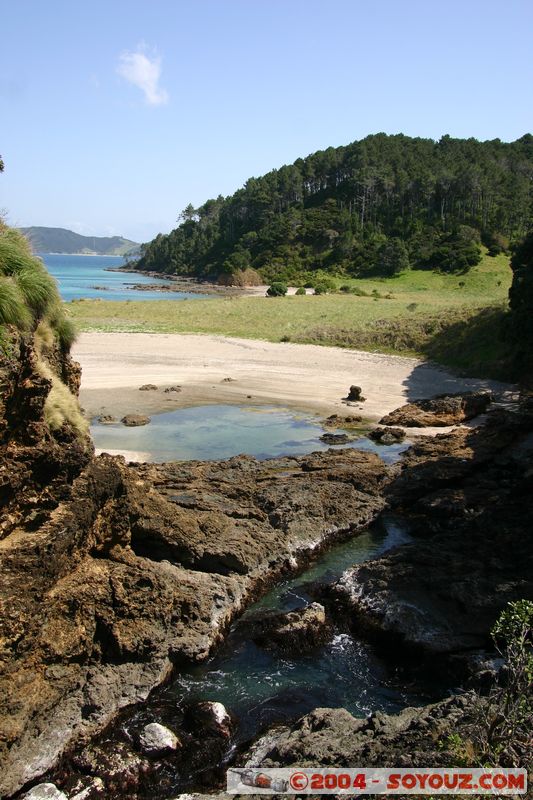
61 240
379 205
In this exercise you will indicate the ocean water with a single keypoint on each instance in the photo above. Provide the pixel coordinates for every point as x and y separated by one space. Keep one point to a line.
221 431
88 277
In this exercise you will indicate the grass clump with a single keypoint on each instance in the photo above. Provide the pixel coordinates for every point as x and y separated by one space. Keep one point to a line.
13 310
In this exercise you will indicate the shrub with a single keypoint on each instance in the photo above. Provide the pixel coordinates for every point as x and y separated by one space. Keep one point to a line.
277 289
345 288
324 286
301 290
64 329
358 291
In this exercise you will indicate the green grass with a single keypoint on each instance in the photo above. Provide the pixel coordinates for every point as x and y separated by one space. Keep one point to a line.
423 308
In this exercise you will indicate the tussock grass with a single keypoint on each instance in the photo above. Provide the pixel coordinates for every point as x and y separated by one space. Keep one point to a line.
13 309
61 406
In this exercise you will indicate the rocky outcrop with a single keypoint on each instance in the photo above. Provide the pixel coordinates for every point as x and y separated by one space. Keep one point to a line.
139 569
332 737
468 497
295 633
135 420
441 411
387 436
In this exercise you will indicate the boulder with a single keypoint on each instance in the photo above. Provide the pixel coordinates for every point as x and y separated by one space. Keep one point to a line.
338 421
297 632
45 791
107 419
440 411
156 738
354 395
211 717
135 420
170 389
387 435
335 438
148 387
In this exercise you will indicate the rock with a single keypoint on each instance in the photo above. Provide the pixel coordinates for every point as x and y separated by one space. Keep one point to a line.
296 633
107 419
387 435
332 737
228 380
45 791
115 764
338 421
335 438
354 395
155 738
440 411
87 788
212 718
135 420
148 387
172 389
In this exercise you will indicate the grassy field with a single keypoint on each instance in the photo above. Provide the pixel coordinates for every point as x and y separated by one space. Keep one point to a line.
449 318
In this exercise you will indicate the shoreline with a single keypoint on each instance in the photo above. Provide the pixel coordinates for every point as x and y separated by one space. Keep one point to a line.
213 370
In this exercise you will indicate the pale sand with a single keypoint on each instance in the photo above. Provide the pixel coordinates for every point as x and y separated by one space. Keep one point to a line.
307 377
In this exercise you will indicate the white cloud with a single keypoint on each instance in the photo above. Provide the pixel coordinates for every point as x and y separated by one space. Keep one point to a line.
144 72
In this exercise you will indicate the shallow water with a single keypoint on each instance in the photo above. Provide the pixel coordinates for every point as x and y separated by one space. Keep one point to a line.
78 276
262 687
212 432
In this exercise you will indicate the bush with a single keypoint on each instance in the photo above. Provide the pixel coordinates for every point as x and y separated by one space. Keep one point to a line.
37 288
325 286
277 289
301 290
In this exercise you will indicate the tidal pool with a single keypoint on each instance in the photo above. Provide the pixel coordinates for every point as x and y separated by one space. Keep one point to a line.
212 432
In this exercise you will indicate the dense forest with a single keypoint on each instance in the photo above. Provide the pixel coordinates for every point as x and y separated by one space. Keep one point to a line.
376 206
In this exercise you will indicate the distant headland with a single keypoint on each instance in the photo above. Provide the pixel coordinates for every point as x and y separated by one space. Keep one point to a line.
61 240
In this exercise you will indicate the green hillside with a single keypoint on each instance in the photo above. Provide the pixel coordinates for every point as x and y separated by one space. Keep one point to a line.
61 240
376 207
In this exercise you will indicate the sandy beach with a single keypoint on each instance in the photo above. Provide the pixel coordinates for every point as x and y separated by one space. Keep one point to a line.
219 369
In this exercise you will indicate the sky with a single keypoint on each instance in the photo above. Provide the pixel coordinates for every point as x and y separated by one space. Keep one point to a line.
115 115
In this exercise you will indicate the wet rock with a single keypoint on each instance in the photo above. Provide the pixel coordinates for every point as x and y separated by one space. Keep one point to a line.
297 632
440 411
387 435
170 389
45 791
156 738
107 419
338 421
115 764
135 420
86 788
355 395
212 718
335 438
148 387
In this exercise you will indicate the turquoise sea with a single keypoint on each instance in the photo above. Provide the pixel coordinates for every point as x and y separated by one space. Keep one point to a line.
88 276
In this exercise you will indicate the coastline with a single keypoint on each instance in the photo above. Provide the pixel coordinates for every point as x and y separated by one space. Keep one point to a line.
223 370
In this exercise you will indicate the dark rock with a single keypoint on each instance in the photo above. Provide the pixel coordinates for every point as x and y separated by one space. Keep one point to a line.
212 718
338 421
387 435
335 438
354 395
107 419
117 765
297 632
135 420
228 380
332 737
148 387
441 411
172 389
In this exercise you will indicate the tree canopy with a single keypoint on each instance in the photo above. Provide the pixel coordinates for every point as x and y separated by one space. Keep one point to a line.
374 206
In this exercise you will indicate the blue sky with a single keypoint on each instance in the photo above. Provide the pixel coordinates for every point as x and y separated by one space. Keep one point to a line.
114 115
